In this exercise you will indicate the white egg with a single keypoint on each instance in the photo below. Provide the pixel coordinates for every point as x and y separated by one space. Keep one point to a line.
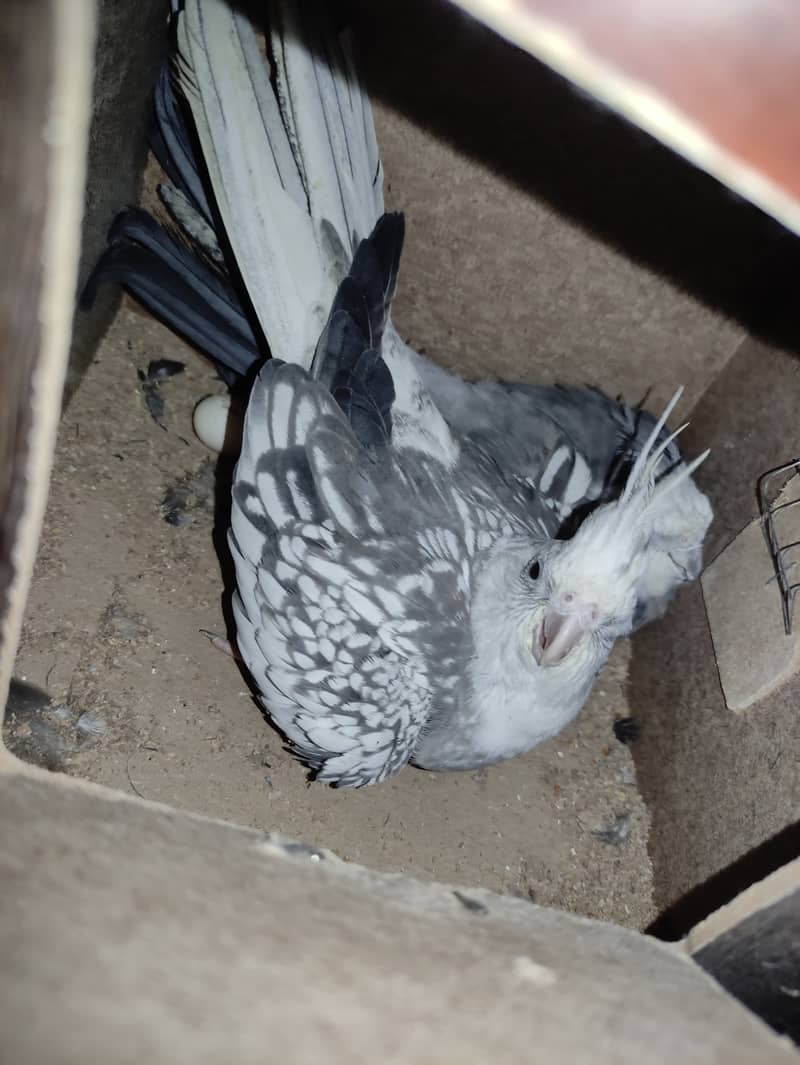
217 424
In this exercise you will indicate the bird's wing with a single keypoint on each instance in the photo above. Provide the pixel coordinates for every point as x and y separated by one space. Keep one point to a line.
180 287
524 435
355 524
172 145
574 445
284 173
352 602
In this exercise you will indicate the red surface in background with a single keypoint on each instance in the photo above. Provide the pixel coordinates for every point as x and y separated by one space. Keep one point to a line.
731 66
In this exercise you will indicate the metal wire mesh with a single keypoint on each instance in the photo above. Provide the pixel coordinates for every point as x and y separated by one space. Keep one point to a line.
781 560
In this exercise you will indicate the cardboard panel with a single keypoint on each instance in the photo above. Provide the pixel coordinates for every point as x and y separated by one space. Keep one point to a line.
151 935
752 948
45 83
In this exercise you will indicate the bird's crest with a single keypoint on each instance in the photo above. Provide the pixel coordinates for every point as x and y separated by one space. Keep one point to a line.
614 536
641 487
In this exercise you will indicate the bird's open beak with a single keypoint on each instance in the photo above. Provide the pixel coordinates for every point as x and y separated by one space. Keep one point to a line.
557 636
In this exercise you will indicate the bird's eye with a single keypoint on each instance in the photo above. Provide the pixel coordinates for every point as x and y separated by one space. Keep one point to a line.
534 570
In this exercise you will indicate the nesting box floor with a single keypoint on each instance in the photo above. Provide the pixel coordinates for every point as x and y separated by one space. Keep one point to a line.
113 626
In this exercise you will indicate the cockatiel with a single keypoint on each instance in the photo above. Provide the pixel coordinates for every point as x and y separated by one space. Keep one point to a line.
573 445
402 595
398 598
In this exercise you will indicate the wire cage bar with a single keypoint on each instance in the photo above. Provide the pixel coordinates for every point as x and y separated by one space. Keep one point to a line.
770 509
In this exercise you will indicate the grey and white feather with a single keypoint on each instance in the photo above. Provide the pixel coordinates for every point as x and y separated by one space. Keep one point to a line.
576 447
310 168
427 570
395 605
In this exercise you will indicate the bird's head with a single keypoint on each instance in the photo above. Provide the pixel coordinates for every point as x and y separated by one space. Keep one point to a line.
587 588
574 598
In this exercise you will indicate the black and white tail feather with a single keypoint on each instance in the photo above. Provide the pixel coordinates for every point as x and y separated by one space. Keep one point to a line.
576 446
348 360
289 184
179 287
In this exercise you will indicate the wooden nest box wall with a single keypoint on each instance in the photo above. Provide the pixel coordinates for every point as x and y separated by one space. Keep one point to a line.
555 232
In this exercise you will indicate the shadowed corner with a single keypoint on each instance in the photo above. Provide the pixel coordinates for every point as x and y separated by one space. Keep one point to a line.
678 919
507 110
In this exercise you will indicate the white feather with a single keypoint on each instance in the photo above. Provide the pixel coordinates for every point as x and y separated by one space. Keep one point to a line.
275 595
635 480
557 460
246 151
281 403
326 113
299 500
246 543
366 608
269 491
391 602
579 480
